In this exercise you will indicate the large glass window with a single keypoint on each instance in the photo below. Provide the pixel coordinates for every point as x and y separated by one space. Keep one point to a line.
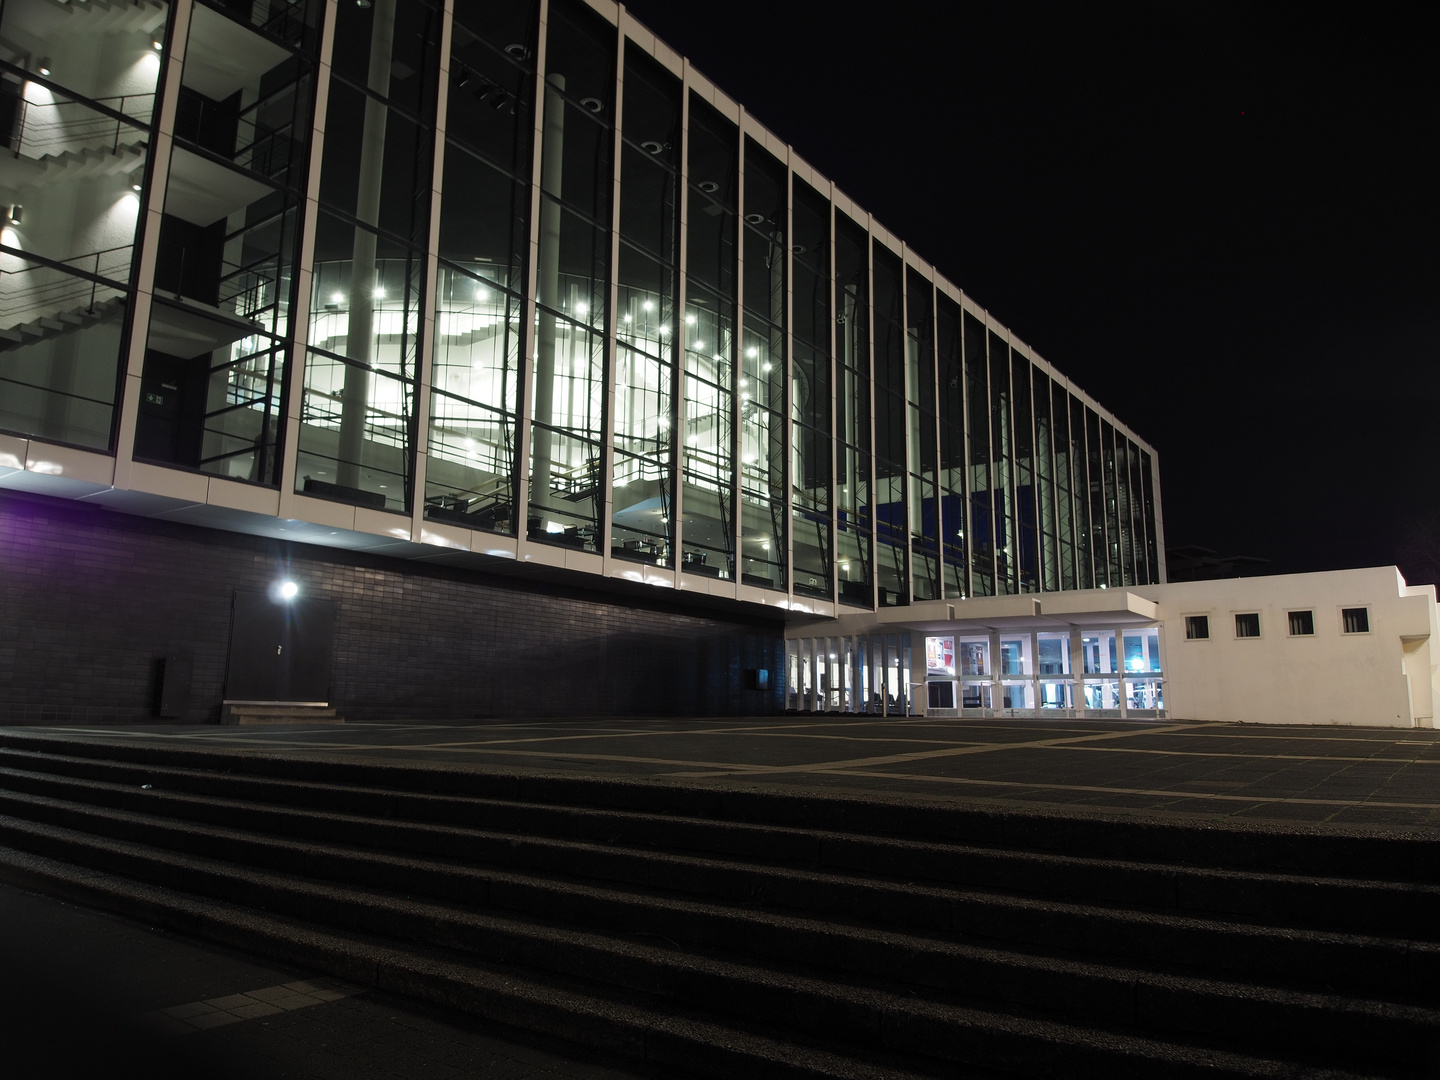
214 380
854 505
1081 496
811 392
923 502
1152 543
357 419
1045 484
567 489
1064 484
1099 548
892 522
642 514
1116 545
1027 532
470 474
708 450
951 379
1002 432
763 534
77 98
982 517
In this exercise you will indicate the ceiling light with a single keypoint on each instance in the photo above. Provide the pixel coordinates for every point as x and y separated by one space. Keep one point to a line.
157 45
380 294
44 67
708 186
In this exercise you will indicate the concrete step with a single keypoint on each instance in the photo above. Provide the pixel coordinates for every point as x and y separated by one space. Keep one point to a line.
1360 854
873 1020
280 713
820 871
682 1046
283 875
953 941
1396 969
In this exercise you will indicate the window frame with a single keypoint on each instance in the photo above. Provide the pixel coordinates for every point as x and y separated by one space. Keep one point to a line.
1344 627
1247 615
1193 621
1308 613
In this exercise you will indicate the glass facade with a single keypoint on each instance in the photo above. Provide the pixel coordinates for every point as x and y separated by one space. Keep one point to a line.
500 272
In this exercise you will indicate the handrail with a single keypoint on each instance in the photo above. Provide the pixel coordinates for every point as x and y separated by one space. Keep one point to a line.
50 293
99 121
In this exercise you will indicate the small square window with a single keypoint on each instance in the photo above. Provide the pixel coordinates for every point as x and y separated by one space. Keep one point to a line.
1197 627
1302 624
1356 620
1247 625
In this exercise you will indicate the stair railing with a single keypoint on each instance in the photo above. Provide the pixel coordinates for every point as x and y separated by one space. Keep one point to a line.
58 284
46 128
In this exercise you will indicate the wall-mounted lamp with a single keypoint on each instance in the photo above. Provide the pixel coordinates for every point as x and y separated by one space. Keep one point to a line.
14 213
289 590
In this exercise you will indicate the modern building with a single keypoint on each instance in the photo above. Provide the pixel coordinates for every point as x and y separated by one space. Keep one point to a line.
1353 647
488 358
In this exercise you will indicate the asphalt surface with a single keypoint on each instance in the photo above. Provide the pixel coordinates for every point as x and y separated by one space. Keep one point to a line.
1380 777
85 994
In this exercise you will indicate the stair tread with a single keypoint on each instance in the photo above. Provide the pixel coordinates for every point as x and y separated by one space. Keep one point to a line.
1048 860
638 1008
892 939
992 958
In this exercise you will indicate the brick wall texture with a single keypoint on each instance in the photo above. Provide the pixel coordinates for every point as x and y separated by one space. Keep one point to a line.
91 602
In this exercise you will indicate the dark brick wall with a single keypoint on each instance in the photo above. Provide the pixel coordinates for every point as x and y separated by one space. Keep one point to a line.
91 601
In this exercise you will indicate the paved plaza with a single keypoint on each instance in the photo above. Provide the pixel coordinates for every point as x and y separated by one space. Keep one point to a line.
1344 775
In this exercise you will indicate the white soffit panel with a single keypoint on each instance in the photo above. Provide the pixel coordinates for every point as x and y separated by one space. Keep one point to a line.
223 56
203 191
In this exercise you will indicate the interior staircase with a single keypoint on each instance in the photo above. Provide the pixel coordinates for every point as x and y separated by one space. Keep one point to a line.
713 932
115 16
63 322
18 173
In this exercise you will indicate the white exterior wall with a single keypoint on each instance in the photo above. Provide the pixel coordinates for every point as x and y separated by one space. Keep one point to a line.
1385 678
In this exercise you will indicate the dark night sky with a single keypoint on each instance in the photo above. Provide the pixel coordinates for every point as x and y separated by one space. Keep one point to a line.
1219 221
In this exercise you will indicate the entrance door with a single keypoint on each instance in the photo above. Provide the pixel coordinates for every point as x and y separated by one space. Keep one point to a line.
280 650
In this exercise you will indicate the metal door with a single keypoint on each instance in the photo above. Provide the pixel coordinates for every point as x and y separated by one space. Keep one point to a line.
280 650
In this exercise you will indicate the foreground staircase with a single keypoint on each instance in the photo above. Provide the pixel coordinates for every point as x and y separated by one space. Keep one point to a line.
728 933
